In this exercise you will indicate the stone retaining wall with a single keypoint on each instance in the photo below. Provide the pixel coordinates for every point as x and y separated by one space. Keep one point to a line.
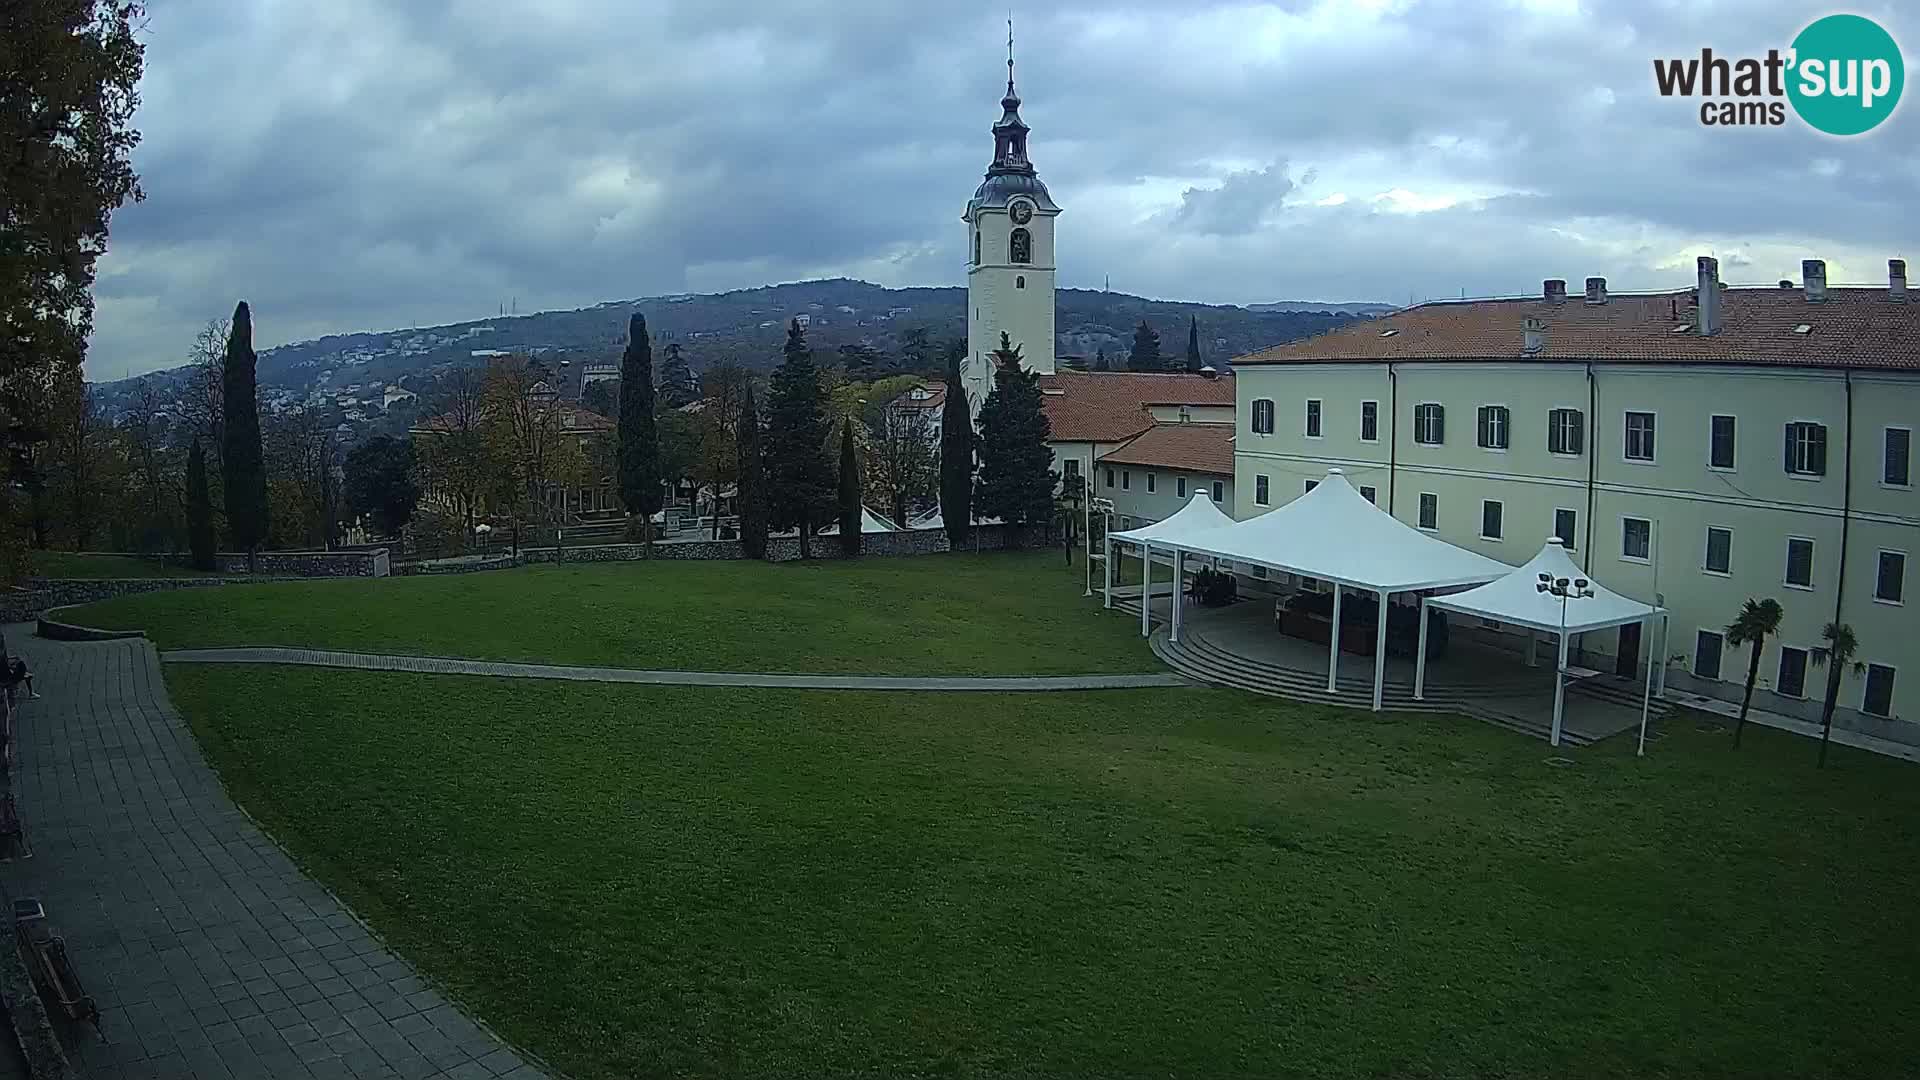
782 549
42 595
362 563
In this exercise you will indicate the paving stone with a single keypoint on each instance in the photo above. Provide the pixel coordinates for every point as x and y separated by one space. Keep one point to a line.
212 954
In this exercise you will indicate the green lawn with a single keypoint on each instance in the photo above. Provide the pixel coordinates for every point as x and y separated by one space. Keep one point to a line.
692 882
993 613
85 564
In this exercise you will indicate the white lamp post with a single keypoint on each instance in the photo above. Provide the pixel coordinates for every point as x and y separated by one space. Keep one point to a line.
1566 589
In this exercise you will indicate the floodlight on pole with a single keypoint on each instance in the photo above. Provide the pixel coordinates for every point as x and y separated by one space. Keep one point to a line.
1565 589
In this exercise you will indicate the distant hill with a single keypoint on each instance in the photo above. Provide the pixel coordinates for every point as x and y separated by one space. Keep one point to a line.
749 326
1344 307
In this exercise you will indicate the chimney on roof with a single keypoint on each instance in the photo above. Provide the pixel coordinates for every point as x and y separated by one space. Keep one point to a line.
1707 298
1814 273
1533 336
1555 290
1897 280
1208 371
1596 290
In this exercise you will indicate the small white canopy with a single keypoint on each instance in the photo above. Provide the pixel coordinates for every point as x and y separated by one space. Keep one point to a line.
1334 533
870 522
1198 516
1516 599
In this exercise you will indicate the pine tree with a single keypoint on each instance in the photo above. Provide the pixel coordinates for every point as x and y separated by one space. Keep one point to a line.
800 480
956 454
1146 349
1194 363
199 509
242 460
1016 483
677 385
639 457
849 492
1100 359
750 490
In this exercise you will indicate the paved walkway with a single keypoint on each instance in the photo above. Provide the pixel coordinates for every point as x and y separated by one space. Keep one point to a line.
438 666
1730 710
209 952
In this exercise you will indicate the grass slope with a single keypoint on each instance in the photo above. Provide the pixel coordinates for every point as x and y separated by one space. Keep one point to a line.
1013 613
670 881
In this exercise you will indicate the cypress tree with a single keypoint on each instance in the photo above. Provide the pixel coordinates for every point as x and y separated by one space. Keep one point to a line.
849 492
956 454
677 385
639 453
1146 349
800 480
199 509
243 466
750 491
1016 481
1194 362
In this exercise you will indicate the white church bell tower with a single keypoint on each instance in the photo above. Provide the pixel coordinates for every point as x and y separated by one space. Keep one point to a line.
1010 244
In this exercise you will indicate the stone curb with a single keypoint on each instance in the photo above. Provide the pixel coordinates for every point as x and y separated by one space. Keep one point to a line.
430 665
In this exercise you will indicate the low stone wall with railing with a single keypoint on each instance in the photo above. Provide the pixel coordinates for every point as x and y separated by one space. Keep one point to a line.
779 549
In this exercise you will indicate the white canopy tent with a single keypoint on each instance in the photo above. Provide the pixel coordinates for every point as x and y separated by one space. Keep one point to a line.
1333 533
1549 593
1198 516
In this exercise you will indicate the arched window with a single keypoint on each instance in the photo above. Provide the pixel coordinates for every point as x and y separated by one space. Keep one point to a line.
1020 282
1022 245
976 247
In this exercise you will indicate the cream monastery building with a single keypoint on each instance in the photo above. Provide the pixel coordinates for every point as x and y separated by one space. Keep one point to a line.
1702 446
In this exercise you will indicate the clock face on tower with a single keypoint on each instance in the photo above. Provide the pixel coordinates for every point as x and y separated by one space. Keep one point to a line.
1022 212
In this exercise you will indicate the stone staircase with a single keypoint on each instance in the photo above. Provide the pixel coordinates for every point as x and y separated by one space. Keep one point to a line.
1623 692
1194 657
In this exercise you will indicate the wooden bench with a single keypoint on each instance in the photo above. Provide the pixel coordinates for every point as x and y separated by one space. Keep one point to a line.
46 956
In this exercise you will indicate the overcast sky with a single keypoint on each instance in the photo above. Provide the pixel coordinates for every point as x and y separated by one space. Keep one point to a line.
372 164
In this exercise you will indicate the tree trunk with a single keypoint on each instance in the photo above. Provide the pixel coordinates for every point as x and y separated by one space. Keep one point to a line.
1826 710
1746 700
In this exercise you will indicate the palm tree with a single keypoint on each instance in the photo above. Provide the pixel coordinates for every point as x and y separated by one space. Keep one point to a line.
1841 646
1759 619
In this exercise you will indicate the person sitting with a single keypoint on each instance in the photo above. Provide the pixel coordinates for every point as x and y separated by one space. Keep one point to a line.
14 674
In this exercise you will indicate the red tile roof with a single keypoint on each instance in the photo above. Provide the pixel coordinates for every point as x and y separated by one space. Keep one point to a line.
1206 448
1111 406
1852 327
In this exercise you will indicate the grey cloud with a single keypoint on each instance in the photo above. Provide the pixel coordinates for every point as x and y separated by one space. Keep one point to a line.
1241 203
364 165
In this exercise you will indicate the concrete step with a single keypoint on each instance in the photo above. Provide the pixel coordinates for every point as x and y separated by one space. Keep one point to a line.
1201 662
1618 691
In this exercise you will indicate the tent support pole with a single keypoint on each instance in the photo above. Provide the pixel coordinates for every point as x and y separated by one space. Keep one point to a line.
1380 651
1146 590
1333 643
1179 568
1666 656
1646 697
1420 658
1106 572
1559 690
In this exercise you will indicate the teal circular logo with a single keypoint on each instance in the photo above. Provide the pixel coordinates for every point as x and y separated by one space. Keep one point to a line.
1846 75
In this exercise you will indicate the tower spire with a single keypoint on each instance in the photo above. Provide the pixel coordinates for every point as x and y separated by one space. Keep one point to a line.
1010 134
1010 92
